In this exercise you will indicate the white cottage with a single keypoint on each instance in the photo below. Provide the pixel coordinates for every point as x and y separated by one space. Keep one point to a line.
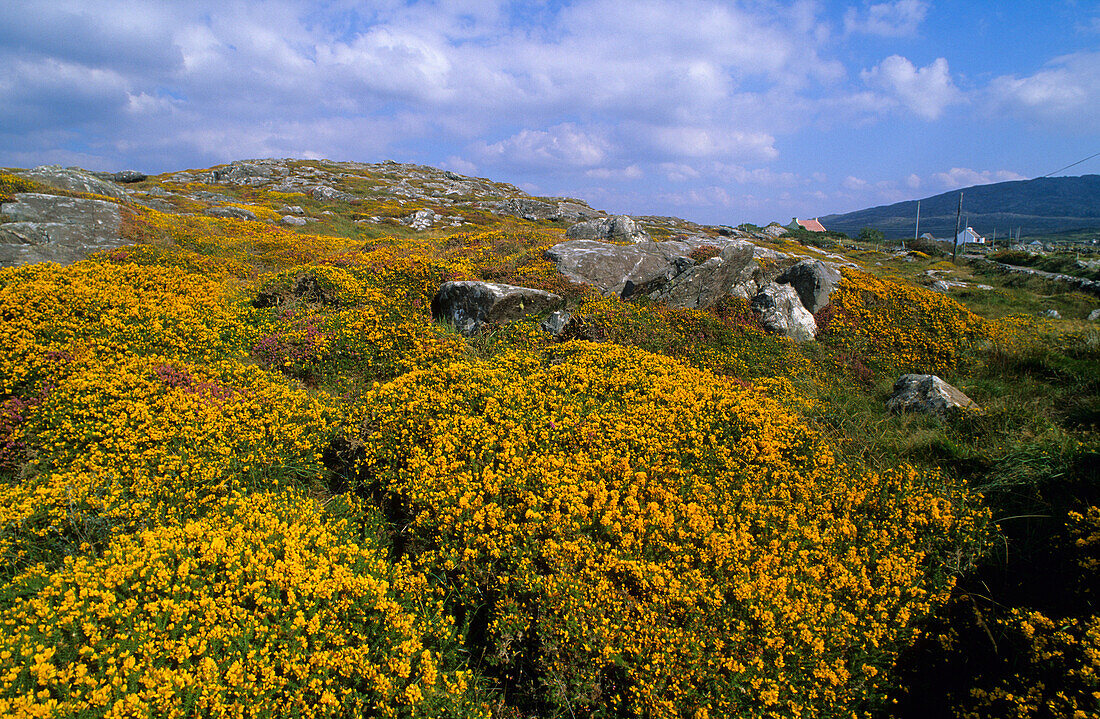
970 236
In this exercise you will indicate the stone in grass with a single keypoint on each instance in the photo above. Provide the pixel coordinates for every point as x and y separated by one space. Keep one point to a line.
469 305
1094 315
556 322
780 311
928 394
231 213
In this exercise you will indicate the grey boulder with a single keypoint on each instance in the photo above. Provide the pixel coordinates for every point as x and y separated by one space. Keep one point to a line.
623 270
928 394
50 228
231 213
556 322
617 228
780 311
814 281
733 272
74 179
420 220
1094 315
325 193
468 305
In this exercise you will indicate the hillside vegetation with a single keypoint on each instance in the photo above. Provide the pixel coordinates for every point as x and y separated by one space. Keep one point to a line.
244 473
1043 206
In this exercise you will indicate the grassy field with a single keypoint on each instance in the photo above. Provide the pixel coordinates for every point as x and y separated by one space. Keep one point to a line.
324 504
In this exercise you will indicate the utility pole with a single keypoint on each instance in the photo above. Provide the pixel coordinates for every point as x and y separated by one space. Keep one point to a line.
993 244
958 216
916 231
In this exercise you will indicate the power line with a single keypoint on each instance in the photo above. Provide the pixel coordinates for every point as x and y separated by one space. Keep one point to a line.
1069 166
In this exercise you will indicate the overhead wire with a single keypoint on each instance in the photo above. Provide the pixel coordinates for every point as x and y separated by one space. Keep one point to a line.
1069 166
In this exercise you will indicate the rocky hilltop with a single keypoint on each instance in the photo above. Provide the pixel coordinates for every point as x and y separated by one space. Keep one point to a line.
73 213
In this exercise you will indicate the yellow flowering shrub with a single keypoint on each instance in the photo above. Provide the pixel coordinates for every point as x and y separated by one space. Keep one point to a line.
1057 671
725 339
10 185
621 534
53 315
133 442
337 325
898 328
264 608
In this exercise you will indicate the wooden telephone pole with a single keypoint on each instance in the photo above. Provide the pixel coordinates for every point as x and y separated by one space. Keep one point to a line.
916 231
958 216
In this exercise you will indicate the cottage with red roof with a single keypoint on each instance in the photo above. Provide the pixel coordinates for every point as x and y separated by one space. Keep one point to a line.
811 225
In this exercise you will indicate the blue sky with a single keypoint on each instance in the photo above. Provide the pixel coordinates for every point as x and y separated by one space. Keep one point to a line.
720 112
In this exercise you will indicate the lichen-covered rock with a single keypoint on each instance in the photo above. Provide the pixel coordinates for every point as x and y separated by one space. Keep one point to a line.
779 310
232 213
814 281
1094 315
75 180
612 268
929 394
469 305
294 221
325 193
556 322
421 219
733 272
50 228
617 228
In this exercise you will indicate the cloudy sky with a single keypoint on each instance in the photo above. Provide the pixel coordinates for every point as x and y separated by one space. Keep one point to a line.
718 112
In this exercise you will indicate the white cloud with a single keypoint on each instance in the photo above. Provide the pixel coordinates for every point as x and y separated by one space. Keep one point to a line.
564 146
854 183
457 164
925 91
913 181
717 142
678 171
633 172
1067 91
394 62
964 177
900 18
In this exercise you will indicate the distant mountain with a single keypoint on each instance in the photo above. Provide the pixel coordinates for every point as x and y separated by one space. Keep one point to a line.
1039 207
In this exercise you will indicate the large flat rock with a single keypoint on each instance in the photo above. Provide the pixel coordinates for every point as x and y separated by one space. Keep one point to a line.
610 268
49 228
75 180
469 304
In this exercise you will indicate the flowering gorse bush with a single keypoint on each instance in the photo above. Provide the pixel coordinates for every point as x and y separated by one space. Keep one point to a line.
624 535
263 608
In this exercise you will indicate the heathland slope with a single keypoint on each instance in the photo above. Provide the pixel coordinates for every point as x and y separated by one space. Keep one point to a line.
250 465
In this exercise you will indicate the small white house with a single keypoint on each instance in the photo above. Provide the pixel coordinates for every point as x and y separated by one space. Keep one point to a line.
970 236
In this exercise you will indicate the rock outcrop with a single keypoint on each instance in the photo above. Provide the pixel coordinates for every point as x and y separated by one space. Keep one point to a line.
780 311
74 179
51 228
733 272
612 269
814 281
617 228
233 213
324 193
533 210
928 394
468 305
421 220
